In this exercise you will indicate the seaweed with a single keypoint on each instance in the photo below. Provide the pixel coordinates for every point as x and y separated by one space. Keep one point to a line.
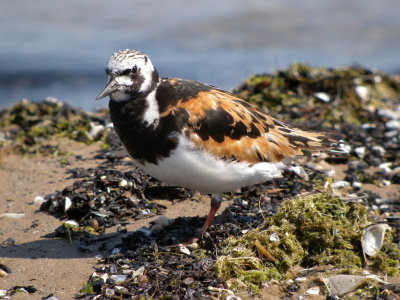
311 230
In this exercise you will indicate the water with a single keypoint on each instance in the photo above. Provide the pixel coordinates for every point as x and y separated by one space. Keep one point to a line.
59 48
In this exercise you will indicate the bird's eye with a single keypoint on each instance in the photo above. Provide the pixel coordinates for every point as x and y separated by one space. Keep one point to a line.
125 72
134 69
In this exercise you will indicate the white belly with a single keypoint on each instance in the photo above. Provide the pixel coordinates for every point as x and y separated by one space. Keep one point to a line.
200 171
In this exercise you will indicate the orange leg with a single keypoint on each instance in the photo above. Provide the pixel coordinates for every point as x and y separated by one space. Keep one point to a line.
215 204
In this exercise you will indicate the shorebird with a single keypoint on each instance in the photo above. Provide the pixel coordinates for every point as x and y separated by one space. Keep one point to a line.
197 136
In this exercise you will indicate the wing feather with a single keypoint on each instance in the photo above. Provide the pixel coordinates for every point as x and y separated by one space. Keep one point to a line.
230 128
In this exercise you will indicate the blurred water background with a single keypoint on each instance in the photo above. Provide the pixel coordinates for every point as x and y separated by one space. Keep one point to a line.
59 48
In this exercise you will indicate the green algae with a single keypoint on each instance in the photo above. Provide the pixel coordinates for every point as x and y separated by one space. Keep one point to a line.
351 94
27 126
313 230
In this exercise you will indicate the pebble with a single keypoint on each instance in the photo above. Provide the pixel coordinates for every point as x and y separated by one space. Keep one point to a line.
109 292
340 184
391 134
299 171
8 242
123 183
164 221
233 297
389 114
118 278
138 272
193 246
363 92
3 273
95 130
360 151
313 291
115 251
379 149
142 279
121 290
188 280
156 228
144 211
393 124
127 272
38 200
113 268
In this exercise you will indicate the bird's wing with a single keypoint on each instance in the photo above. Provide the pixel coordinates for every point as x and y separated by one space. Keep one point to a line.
230 128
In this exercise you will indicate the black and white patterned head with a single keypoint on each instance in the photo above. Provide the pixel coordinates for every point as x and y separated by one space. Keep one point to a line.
130 74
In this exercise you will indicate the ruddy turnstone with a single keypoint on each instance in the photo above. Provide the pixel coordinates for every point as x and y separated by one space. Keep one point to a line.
195 135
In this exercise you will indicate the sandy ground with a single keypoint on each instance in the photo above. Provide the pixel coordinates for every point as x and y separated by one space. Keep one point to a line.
49 264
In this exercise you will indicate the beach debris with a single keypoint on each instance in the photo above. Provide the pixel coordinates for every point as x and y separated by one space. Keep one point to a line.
373 237
28 289
12 215
4 270
299 171
50 297
8 242
38 200
118 278
356 102
67 203
164 221
323 97
184 250
340 184
340 285
313 290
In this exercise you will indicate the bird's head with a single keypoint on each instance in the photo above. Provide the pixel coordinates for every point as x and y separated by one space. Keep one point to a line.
130 74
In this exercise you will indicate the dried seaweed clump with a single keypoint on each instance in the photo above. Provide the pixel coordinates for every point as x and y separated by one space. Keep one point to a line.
317 229
26 125
339 95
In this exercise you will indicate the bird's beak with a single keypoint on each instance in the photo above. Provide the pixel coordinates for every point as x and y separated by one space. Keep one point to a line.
111 87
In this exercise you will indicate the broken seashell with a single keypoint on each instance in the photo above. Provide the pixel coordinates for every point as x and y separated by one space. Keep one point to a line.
313 291
67 203
274 237
324 97
118 278
340 285
38 200
299 171
184 250
340 184
373 237
12 215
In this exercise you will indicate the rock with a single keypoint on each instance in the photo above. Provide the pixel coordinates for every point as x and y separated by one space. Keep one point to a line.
164 221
